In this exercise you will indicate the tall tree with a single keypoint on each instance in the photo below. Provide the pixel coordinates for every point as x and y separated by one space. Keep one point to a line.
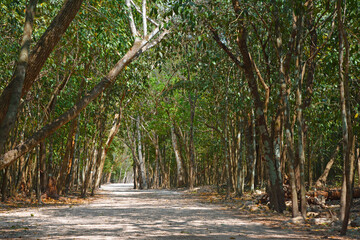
9 114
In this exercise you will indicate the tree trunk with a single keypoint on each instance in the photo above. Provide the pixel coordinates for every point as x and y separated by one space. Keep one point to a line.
8 115
100 125
67 160
38 180
191 140
157 158
113 131
302 158
358 165
43 171
301 141
89 170
97 163
253 152
276 193
291 163
180 173
239 167
4 185
348 143
69 178
310 24
322 179
135 175
144 183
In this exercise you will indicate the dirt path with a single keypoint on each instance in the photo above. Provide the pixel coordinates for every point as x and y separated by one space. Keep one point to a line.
125 213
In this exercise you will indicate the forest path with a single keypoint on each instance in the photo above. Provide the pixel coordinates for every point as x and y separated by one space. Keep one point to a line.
124 213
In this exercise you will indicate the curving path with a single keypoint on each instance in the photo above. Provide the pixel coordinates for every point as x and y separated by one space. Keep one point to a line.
125 213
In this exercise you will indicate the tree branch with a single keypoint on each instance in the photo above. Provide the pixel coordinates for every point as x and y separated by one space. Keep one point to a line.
147 17
133 29
144 17
225 48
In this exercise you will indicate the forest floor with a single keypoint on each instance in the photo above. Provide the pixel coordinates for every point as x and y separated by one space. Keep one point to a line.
119 212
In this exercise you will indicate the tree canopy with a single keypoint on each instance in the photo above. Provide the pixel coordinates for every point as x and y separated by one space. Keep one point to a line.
238 94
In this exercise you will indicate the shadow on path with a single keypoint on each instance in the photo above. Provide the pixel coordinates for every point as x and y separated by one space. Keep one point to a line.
125 213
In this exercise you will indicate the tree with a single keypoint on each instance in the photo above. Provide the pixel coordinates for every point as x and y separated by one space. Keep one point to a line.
140 45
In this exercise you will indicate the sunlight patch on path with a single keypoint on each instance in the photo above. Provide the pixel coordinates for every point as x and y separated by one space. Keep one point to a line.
125 213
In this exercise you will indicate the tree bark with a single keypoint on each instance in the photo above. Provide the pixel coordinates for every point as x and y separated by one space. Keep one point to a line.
4 184
100 125
290 153
322 179
180 173
99 151
191 144
135 175
8 115
89 169
239 168
113 131
157 162
67 160
276 193
253 152
358 164
348 144
142 166
43 172
299 116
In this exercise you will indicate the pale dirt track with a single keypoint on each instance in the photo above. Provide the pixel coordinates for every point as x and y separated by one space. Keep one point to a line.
124 213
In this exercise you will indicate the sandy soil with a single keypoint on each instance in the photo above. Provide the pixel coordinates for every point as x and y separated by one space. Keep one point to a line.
124 213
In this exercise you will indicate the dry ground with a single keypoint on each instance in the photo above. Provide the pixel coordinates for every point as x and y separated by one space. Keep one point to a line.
124 213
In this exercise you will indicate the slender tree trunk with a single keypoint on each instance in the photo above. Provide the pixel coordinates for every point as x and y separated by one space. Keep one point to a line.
240 177
290 152
191 140
226 145
43 171
69 178
38 180
97 161
135 175
310 24
140 155
89 170
157 157
113 131
348 143
322 179
183 147
101 128
253 152
358 164
8 115
4 185
276 193
180 173
301 147
67 160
